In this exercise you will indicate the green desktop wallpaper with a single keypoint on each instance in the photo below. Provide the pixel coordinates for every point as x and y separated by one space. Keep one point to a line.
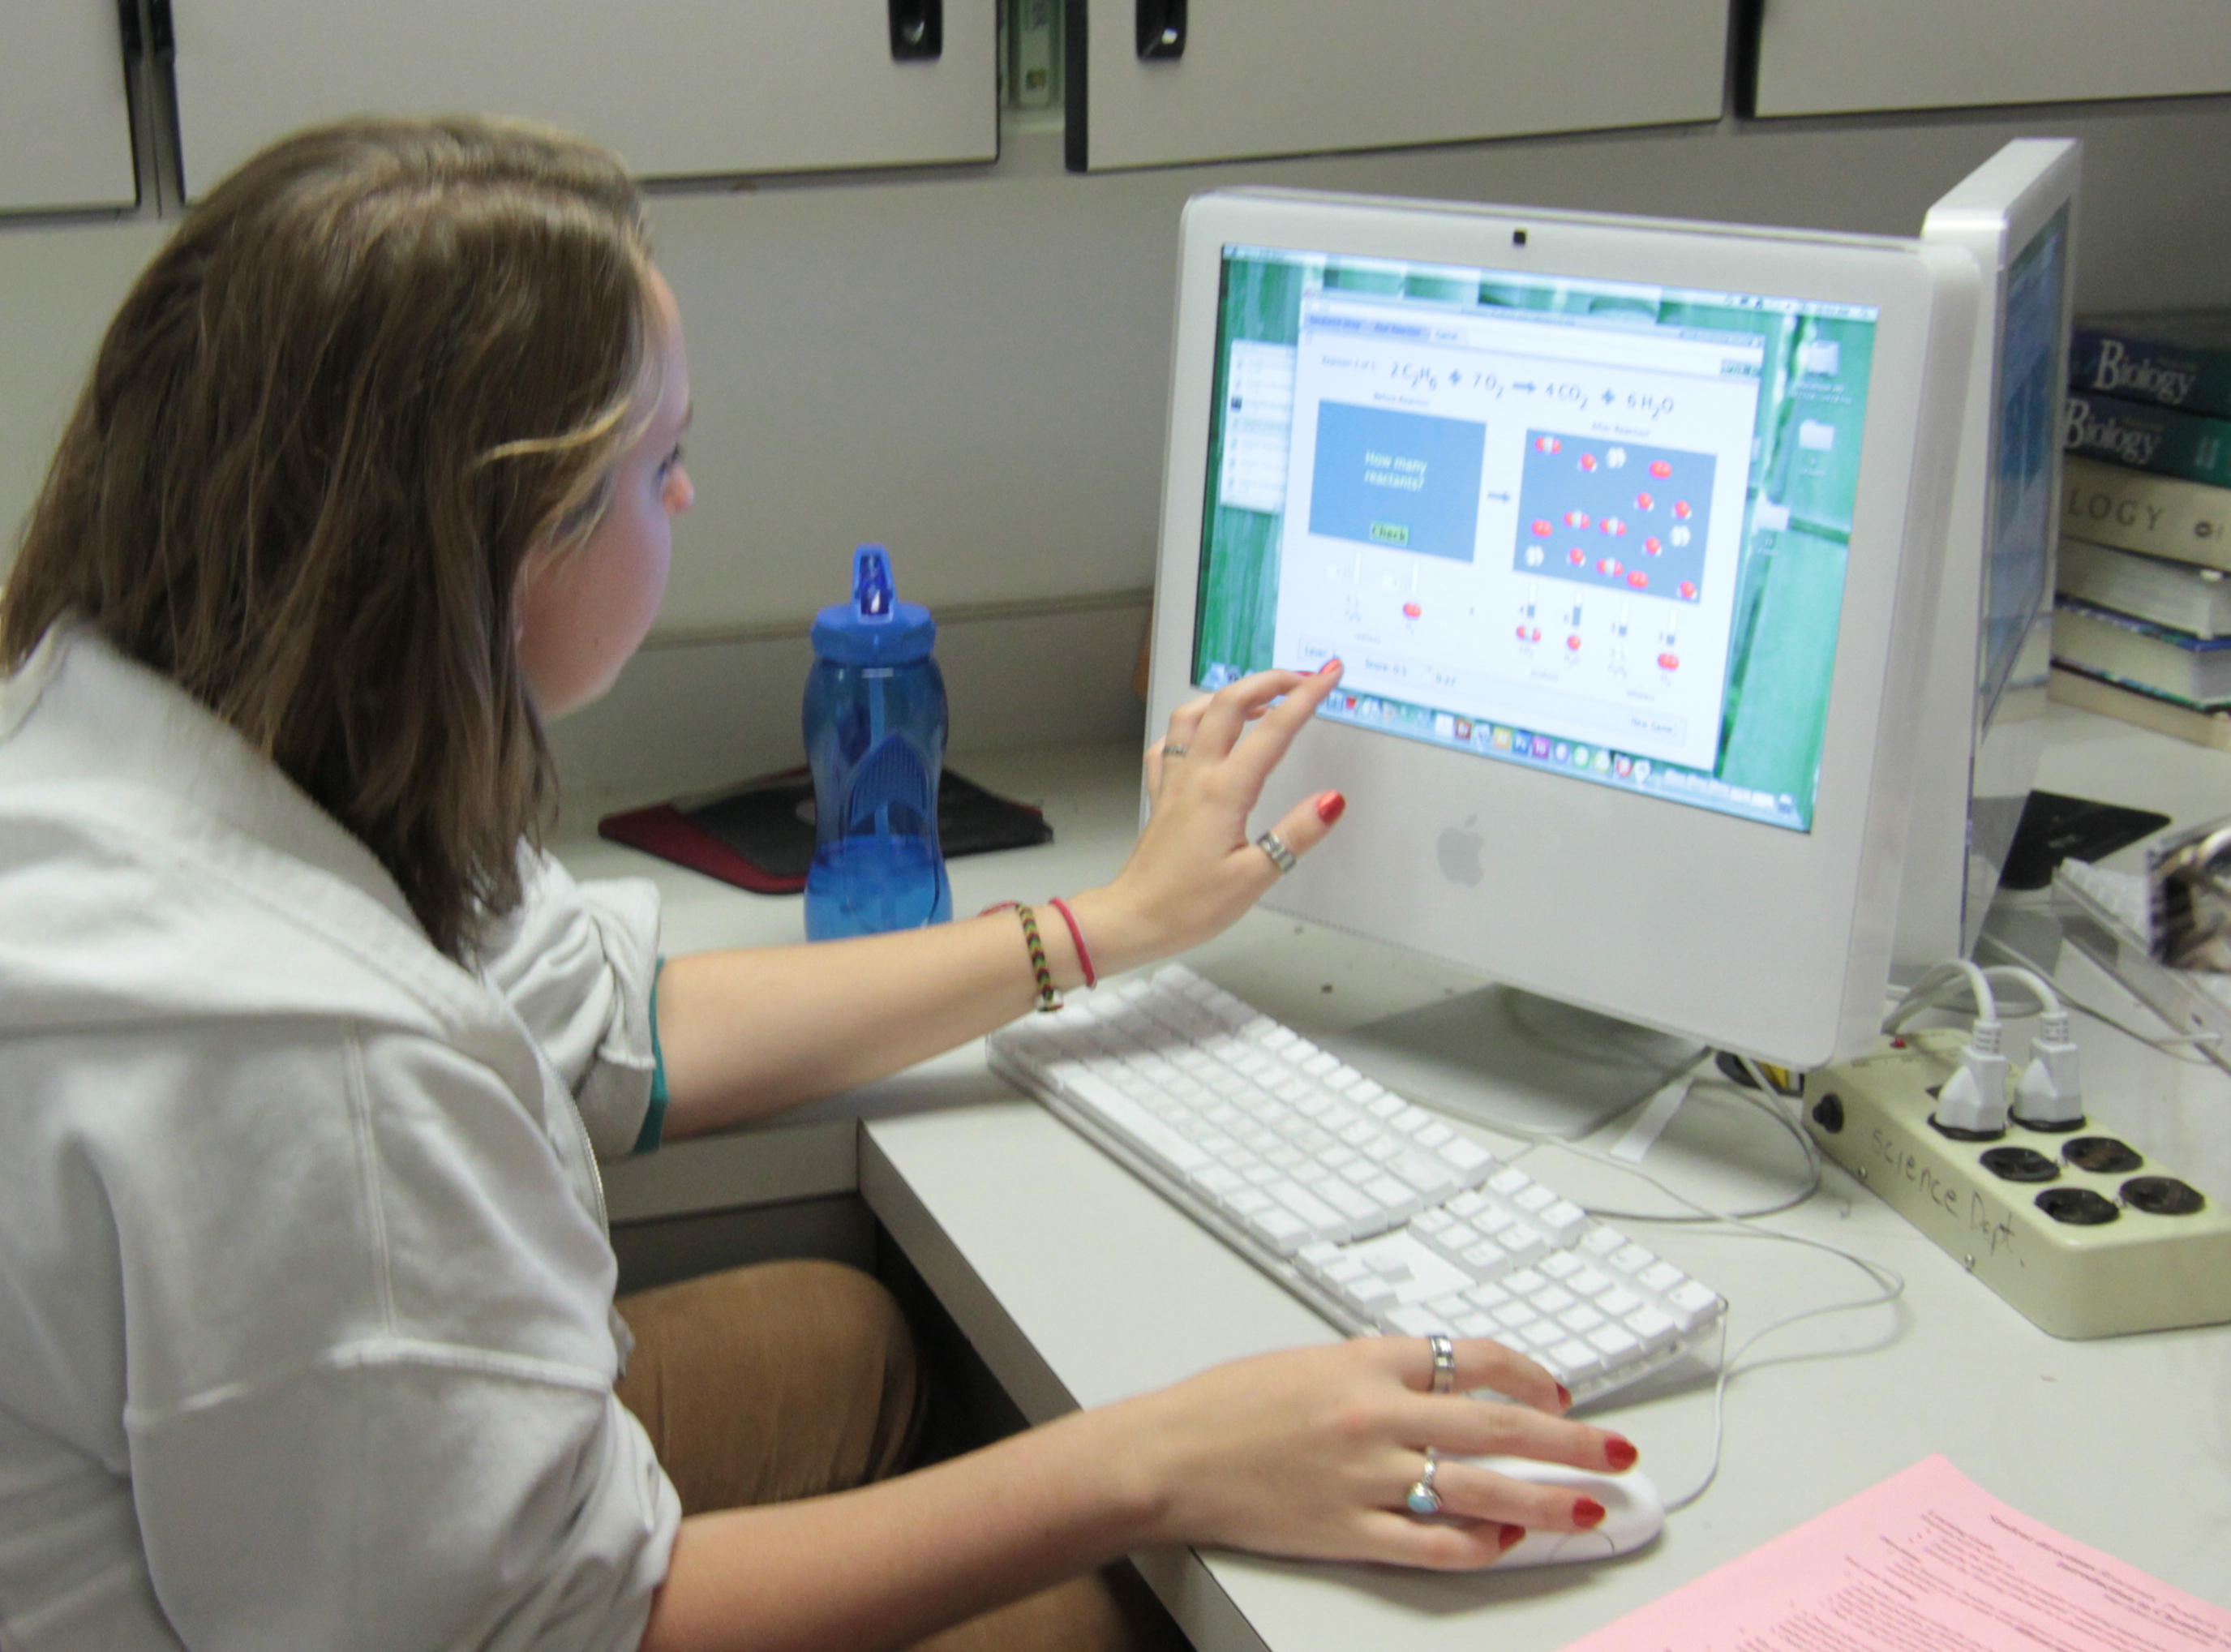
1790 582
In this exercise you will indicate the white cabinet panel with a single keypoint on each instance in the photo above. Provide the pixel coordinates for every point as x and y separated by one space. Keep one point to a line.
678 87
1272 77
65 127
1839 56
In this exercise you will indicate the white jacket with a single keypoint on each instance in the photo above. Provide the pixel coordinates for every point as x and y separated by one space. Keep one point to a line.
306 1337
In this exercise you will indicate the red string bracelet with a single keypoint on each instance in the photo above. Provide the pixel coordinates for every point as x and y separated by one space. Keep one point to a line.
1077 934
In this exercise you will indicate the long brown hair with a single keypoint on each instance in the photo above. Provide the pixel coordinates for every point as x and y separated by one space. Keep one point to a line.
373 370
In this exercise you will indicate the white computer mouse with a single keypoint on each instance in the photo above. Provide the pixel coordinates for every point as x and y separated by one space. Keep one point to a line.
1633 1512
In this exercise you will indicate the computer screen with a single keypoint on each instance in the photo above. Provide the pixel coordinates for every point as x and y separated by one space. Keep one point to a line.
1586 525
1627 533
1984 685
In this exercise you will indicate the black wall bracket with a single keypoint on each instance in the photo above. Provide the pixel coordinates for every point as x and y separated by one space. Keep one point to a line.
917 30
1161 27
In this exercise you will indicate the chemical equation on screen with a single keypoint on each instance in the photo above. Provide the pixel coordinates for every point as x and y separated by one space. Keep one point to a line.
1555 393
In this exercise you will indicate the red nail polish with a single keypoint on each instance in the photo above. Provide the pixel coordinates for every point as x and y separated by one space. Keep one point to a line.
1588 1513
1331 807
1564 1396
1511 1537
1332 665
1620 1453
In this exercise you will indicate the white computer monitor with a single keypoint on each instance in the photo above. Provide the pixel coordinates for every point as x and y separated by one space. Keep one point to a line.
1984 689
1628 533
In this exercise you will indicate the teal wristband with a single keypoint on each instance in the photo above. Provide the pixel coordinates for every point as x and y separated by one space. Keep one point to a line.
654 1121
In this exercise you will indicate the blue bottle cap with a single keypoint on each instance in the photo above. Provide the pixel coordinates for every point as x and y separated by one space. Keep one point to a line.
875 628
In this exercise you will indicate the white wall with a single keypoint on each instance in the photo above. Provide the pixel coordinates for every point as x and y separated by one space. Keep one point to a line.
972 367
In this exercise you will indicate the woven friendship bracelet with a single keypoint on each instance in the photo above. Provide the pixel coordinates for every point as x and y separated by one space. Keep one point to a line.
1049 994
1048 999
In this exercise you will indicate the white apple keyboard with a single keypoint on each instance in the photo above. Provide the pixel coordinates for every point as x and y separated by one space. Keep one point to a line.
1633 1513
1375 1212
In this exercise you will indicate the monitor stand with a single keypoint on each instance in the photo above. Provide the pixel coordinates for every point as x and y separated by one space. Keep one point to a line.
1503 1058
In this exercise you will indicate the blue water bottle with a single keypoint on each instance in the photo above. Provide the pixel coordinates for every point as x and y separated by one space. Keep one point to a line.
875 733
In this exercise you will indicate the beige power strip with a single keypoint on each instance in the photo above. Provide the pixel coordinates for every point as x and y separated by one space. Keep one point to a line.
2131 1247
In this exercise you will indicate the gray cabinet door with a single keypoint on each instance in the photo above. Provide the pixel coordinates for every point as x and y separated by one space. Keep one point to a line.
65 127
1844 56
1278 77
680 87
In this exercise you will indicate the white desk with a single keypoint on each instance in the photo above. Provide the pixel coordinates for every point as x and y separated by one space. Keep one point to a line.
1078 1286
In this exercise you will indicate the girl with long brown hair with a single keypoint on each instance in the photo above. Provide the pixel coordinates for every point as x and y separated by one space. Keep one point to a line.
306 1048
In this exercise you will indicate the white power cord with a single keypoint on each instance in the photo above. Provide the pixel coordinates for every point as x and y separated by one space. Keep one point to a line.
1973 1099
2178 1046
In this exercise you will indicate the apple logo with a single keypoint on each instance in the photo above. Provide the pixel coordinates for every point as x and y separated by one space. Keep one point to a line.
1460 850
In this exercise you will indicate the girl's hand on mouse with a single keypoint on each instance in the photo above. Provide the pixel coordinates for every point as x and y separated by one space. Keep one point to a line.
1197 867
1310 1453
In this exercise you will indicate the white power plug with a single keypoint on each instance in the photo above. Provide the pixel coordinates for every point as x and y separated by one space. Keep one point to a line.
1975 1098
2050 1096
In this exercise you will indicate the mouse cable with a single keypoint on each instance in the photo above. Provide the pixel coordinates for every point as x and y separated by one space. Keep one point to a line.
1889 1283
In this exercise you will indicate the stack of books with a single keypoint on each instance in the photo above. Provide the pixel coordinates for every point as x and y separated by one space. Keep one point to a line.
2142 620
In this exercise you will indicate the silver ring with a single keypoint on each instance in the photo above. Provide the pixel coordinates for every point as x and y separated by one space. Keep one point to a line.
1274 847
1170 751
1444 1350
1421 1499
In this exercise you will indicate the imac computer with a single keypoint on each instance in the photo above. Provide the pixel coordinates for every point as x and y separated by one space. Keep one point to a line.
1628 534
1984 688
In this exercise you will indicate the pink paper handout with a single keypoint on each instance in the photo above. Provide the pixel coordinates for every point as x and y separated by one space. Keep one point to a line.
1926 1562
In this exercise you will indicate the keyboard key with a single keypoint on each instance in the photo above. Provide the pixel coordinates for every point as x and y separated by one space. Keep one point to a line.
1602 1241
1391 1193
1575 1360
1661 1277
1563 1222
1522 1242
1580 1320
1370 1293
1465 1156
1692 1305
1476 1324
1344 1197
1586 1283
1652 1328
1613 1343
1541 1336
1489 1260
1321 1217
1633 1260
1618 1302
1562 1266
